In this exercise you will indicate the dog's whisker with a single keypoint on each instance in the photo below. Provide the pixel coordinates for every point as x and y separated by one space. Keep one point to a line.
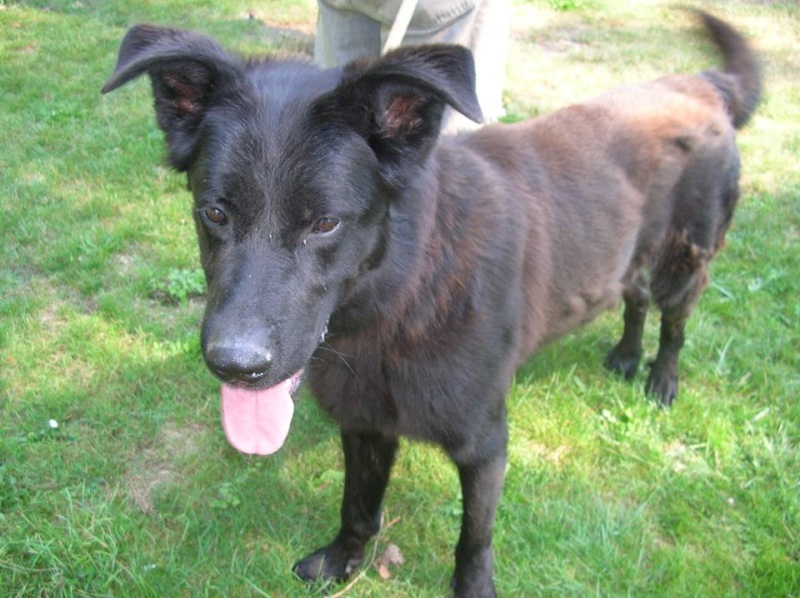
343 357
330 349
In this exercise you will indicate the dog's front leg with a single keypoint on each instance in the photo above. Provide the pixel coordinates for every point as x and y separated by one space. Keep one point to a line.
481 485
368 460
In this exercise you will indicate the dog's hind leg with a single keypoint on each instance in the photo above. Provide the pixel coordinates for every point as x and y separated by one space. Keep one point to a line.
625 356
679 276
368 460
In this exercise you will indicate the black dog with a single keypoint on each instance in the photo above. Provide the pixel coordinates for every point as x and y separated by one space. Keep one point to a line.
411 275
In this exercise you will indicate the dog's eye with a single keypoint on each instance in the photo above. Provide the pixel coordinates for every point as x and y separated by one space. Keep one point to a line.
325 225
216 216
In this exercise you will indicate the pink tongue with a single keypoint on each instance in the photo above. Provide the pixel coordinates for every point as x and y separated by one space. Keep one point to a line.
257 422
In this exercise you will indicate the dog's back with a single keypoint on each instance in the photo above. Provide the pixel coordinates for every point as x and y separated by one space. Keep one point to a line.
643 175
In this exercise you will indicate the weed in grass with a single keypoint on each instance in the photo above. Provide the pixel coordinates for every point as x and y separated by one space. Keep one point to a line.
180 286
572 5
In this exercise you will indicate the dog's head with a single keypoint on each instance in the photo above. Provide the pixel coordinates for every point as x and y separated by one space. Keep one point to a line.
293 170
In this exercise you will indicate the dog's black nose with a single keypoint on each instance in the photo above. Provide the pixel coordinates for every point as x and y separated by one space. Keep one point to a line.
239 364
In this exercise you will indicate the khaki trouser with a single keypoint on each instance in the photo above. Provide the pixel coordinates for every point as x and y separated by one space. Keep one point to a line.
352 29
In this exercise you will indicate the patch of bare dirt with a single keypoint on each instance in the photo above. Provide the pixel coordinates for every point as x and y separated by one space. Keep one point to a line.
157 465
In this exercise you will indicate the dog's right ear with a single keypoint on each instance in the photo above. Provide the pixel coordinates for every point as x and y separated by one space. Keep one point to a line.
188 71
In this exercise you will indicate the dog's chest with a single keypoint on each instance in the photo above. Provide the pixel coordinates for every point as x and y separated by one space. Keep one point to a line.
440 397
361 395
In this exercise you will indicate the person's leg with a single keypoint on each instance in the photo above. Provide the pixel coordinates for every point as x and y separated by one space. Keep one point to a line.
484 30
489 43
344 36
481 25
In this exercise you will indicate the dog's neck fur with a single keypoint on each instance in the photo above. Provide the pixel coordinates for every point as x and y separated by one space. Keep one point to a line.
412 240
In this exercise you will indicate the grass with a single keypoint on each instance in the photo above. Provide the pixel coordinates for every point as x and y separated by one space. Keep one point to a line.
115 478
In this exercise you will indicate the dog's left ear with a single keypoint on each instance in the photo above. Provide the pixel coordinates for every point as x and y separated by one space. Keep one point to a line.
397 103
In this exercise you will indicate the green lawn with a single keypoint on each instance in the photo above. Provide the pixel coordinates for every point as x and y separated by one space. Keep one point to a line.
115 477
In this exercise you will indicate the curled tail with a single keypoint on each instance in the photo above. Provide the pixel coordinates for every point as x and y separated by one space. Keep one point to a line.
740 82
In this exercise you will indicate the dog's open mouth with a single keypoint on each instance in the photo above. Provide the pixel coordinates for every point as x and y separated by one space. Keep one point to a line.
256 422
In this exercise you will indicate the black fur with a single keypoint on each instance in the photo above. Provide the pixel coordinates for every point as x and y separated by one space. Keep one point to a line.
327 207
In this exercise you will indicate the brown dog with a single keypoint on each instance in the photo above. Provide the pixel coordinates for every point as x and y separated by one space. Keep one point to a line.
411 275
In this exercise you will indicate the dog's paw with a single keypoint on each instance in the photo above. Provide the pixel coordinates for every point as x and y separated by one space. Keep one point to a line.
472 590
662 384
622 362
327 564
472 577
